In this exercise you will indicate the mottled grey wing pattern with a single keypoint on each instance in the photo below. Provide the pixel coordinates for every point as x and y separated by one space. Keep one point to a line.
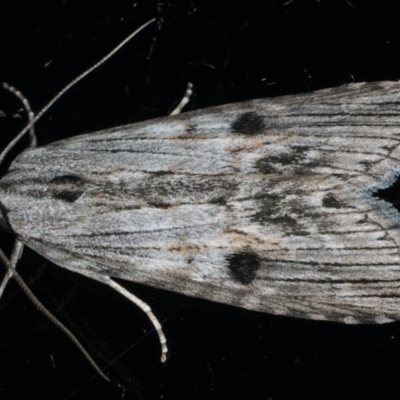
265 205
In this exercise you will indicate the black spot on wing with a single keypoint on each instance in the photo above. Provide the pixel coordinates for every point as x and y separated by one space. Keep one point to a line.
265 166
191 128
161 173
243 266
159 204
330 201
67 188
249 123
296 156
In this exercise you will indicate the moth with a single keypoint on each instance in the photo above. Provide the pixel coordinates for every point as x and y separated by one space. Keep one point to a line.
267 204
273 205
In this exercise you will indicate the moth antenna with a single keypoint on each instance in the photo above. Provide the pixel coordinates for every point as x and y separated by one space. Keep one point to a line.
31 115
42 308
186 98
15 256
32 143
67 87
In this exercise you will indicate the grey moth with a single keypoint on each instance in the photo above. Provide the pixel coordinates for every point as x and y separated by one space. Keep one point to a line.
268 205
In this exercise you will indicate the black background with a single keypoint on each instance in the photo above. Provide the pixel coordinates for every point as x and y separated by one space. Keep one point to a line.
230 52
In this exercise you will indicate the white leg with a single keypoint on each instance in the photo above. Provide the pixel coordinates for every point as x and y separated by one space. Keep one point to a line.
141 304
145 307
189 91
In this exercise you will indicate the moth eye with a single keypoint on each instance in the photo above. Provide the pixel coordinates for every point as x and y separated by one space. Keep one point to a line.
67 188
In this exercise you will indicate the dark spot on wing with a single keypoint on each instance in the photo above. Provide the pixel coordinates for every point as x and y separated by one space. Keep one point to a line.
297 157
161 173
170 190
243 266
265 166
330 201
287 212
364 220
289 225
67 188
159 204
275 164
191 128
249 123
221 201
285 220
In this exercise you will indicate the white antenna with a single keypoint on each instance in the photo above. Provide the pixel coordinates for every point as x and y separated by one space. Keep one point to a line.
67 87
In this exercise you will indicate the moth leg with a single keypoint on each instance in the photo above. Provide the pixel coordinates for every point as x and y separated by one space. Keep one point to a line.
10 264
141 304
189 91
15 256
146 308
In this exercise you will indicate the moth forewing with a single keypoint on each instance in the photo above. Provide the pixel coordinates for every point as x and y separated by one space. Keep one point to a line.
266 204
